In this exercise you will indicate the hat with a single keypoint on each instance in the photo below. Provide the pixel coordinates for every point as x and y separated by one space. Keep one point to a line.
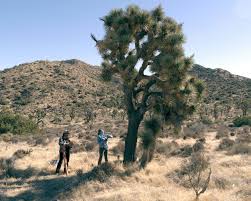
100 131
66 132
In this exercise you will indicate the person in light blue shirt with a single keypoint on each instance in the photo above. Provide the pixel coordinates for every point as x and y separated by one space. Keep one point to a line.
103 146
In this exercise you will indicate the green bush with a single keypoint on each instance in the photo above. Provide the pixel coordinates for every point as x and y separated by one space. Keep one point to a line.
241 121
16 124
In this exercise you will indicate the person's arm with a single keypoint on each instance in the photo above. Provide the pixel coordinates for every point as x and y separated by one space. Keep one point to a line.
69 144
99 139
109 135
61 141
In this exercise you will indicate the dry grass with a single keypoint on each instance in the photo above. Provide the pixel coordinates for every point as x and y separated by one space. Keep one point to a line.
231 175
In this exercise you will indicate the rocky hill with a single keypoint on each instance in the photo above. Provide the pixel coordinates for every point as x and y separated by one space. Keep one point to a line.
223 86
65 88
58 87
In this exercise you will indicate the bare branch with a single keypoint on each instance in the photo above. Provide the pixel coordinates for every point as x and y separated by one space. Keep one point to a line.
206 182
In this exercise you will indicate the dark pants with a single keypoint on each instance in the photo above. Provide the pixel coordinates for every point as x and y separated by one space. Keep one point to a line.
61 158
102 151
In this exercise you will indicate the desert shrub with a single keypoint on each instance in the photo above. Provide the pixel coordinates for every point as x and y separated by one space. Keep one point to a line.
243 138
130 169
194 130
118 149
7 137
20 153
221 183
206 120
198 146
7 167
241 121
198 172
41 140
225 144
102 172
222 131
167 149
23 98
16 124
246 129
240 148
185 151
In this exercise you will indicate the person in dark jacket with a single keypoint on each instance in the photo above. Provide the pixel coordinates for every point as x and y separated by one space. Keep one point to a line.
64 150
103 146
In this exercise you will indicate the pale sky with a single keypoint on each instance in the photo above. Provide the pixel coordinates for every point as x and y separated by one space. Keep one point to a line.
218 32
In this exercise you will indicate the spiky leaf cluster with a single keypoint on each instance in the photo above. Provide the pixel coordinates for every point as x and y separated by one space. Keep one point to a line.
151 130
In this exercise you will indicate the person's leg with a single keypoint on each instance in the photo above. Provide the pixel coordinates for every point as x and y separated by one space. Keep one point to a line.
65 163
101 150
61 157
106 155
67 152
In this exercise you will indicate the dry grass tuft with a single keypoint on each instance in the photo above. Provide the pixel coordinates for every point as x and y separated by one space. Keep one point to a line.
240 148
221 183
222 131
118 149
167 148
225 144
102 172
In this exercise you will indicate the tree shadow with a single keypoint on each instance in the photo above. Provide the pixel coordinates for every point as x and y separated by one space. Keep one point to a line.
51 188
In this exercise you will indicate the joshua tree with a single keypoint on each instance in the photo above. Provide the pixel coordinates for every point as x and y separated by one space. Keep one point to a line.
145 50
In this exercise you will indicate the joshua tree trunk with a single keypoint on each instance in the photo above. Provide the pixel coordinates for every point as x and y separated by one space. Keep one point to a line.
131 138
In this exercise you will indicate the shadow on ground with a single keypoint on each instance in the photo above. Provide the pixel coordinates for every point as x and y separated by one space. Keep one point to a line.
44 189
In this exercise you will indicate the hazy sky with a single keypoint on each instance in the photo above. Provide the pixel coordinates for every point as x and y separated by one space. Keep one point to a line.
218 32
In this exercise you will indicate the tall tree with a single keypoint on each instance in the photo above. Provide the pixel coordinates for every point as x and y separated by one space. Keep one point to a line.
145 49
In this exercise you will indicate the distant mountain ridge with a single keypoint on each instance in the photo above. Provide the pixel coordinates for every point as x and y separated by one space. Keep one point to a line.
222 85
59 86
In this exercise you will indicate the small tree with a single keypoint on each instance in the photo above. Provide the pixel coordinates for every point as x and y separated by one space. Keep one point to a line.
136 42
198 172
